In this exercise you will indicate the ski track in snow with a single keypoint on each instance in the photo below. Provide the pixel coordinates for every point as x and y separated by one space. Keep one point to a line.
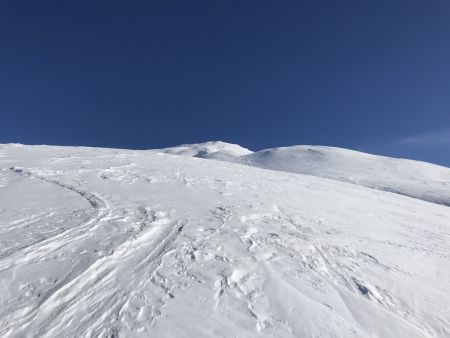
162 245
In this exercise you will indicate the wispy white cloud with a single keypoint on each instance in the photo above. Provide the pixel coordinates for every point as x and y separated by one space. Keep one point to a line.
432 146
430 139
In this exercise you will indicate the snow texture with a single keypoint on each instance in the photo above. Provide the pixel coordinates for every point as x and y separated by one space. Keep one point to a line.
121 243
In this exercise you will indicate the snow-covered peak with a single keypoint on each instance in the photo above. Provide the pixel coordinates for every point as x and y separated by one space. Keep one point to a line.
208 148
329 161
417 179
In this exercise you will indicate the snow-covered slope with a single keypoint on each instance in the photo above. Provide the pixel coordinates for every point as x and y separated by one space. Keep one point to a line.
412 178
416 179
117 243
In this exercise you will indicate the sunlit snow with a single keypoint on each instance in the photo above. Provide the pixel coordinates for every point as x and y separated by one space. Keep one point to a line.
121 243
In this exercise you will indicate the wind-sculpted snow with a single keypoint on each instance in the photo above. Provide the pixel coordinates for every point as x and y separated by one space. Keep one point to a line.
120 243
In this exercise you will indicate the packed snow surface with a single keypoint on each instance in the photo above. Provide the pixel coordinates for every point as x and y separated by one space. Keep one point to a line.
120 243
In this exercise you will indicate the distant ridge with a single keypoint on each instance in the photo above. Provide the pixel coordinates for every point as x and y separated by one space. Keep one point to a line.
417 179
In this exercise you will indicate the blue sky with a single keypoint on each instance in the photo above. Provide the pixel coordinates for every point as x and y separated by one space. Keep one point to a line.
429 146
368 75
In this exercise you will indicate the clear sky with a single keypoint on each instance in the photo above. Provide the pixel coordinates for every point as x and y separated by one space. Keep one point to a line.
372 75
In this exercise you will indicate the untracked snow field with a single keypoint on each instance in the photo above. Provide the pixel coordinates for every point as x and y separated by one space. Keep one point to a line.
120 243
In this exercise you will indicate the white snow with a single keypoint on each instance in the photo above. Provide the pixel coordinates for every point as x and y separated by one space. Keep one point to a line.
208 148
120 243
417 179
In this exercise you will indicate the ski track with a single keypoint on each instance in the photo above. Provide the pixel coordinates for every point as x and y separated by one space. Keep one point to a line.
57 242
240 261
41 250
81 286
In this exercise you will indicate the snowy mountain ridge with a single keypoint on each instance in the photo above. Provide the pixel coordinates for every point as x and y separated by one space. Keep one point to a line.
127 243
415 179
211 148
